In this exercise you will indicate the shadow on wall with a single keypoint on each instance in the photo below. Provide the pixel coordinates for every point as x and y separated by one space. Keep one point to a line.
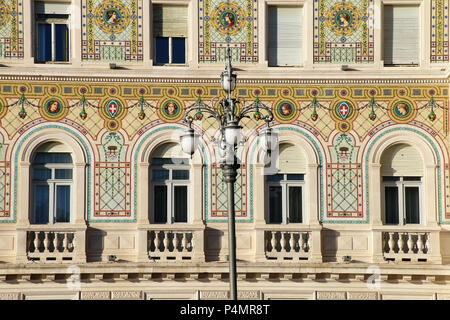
330 245
213 244
94 244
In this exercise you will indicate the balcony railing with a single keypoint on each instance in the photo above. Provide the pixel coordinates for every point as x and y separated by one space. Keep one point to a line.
175 244
288 245
51 246
406 246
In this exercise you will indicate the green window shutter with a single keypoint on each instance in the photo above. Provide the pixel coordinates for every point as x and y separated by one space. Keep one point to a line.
401 160
169 20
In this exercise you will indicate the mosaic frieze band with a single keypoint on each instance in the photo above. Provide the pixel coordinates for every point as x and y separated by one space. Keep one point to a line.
113 119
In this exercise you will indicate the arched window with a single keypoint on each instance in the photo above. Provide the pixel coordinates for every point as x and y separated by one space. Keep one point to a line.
170 176
286 189
51 186
402 175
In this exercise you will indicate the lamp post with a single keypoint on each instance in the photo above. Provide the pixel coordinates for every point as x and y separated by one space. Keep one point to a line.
228 117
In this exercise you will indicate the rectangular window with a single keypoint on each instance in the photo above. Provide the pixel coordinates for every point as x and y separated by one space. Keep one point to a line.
160 204
180 203
41 204
401 35
285 198
275 204
391 204
62 203
295 204
170 33
52 36
412 204
285 36
402 200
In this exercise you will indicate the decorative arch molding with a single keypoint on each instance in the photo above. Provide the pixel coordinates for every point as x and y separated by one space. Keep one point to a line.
313 152
427 147
146 144
82 155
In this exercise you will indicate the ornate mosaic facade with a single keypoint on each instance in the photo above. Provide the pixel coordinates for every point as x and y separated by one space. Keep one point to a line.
113 121
343 31
439 30
223 23
11 29
112 30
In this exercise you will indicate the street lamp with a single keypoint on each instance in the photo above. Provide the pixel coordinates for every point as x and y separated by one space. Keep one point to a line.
228 117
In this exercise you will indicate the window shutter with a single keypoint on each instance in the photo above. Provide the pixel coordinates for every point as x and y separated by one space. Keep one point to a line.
401 160
401 34
169 150
291 160
285 36
52 7
169 20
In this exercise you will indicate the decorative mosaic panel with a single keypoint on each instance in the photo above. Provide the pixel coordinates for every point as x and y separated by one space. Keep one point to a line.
230 23
112 189
439 30
5 189
343 31
11 29
219 193
112 30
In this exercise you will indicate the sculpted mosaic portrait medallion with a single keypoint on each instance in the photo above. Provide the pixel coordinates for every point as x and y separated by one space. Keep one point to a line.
343 19
228 18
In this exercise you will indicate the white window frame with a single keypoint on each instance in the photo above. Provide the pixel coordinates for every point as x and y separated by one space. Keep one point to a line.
170 63
401 185
52 21
285 184
170 184
52 183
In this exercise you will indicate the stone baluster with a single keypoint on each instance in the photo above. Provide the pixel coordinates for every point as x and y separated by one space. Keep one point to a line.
410 242
37 241
47 241
292 242
401 243
184 247
391 242
302 242
166 240
178 243
65 245
157 242
273 241
420 243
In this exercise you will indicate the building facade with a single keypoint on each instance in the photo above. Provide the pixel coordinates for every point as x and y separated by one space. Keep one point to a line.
97 200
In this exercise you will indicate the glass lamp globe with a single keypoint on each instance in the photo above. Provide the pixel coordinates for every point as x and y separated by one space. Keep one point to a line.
189 141
228 81
269 139
233 134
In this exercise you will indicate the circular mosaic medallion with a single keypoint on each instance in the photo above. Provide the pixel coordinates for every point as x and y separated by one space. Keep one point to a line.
112 109
343 19
53 109
343 110
343 126
112 125
402 111
285 112
4 14
171 111
228 18
112 16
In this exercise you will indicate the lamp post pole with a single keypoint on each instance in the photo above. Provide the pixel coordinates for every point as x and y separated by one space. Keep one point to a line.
228 119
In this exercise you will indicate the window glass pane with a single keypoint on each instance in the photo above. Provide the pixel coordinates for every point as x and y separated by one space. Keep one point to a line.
275 177
295 204
178 50
275 204
412 178
42 174
62 204
180 174
386 179
180 203
61 42
160 174
52 157
63 174
161 50
41 200
295 177
44 42
160 204
391 204
412 204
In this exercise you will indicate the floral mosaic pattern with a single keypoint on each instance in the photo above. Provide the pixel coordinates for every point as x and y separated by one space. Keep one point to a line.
112 30
439 30
228 23
11 29
343 31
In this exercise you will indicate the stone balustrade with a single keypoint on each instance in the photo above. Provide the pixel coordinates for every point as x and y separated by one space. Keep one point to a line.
51 246
171 244
287 245
406 246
